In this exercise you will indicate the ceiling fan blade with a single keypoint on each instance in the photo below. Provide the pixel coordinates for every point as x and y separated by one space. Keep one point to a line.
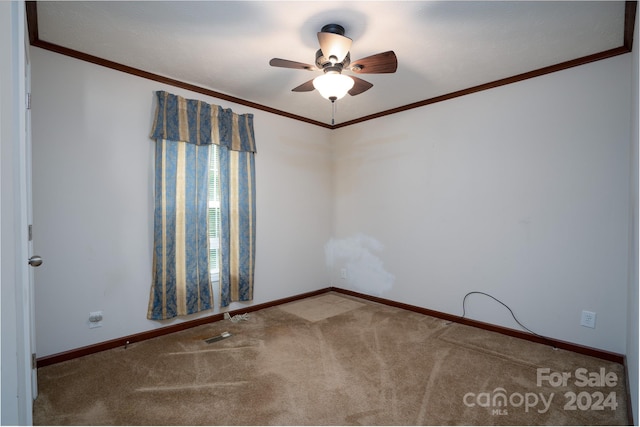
359 86
332 44
385 62
304 87
285 63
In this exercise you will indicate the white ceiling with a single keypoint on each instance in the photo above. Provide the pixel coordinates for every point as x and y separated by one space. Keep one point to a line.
441 47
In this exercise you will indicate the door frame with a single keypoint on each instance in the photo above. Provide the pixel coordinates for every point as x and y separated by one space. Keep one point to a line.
29 217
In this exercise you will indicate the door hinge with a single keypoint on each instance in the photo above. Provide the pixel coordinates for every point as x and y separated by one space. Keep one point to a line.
34 361
28 100
30 232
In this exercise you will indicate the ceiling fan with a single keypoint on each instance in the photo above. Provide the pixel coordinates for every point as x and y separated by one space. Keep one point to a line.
333 58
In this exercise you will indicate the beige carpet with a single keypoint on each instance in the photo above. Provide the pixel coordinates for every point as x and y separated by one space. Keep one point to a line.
321 307
332 360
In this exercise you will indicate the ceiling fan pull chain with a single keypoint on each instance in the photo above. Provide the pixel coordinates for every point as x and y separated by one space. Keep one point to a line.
333 112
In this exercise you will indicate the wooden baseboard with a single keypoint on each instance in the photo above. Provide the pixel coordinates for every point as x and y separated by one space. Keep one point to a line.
124 341
589 351
142 336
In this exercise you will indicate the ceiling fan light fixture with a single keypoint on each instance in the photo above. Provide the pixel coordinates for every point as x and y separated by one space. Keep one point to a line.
333 86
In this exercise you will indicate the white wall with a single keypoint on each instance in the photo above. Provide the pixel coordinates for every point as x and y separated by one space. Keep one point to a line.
521 192
632 314
93 206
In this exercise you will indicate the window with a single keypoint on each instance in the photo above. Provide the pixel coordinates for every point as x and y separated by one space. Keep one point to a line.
214 213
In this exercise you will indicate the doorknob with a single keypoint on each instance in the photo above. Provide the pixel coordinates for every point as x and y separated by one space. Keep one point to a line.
35 261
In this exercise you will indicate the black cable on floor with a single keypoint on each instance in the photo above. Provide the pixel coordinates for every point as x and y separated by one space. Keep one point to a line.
510 311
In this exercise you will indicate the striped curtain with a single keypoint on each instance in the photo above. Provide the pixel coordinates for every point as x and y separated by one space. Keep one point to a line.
237 206
183 130
237 225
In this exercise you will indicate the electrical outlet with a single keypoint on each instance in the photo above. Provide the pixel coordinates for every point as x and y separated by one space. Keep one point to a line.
588 319
95 319
343 273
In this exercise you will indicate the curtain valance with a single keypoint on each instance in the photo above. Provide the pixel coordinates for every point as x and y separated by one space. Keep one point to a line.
199 123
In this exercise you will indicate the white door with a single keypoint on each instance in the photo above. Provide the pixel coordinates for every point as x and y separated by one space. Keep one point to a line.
16 290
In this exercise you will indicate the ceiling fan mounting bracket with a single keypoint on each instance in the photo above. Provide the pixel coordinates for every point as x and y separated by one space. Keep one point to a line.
333 28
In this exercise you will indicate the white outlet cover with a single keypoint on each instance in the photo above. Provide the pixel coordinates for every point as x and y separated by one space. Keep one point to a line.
588 319
98 322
